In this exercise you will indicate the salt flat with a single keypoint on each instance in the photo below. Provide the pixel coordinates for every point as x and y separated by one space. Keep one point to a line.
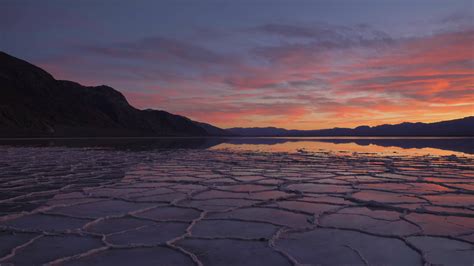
77 205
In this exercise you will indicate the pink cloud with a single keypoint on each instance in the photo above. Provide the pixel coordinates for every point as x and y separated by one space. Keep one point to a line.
335 77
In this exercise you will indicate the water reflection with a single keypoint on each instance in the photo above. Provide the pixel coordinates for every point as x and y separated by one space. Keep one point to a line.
384 146
132 144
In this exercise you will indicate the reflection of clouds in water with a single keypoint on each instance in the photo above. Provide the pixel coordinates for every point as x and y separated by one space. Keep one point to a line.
389 146
385 145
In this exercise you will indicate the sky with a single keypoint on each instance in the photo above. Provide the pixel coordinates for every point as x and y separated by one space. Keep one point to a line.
251 63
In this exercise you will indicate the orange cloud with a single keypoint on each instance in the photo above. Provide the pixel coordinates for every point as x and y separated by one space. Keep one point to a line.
339 76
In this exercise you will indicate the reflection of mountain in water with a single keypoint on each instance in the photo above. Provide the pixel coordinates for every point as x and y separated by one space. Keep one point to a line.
131 144
458 145
465 145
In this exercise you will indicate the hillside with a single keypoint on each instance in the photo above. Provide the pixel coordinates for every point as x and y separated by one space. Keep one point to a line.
457 127
34 104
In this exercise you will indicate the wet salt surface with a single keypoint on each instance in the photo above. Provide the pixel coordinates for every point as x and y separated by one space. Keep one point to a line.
77 205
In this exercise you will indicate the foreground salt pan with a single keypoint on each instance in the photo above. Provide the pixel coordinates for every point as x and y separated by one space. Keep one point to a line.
183 207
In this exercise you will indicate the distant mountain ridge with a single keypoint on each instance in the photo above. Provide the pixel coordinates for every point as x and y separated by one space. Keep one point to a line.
34 104
456 127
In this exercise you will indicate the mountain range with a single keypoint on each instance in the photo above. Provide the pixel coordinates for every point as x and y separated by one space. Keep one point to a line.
34 104
457 127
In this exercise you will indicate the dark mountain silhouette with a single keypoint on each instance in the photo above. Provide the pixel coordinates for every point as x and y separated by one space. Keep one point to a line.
34 104
457 127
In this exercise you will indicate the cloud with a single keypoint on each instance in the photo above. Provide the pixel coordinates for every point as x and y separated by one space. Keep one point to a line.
296 76
159 49
331 35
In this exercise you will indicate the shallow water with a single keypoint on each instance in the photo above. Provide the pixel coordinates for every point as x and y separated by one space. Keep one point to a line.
379 146
412 146
215 202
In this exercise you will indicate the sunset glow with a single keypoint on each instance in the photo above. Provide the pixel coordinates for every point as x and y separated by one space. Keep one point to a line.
306 66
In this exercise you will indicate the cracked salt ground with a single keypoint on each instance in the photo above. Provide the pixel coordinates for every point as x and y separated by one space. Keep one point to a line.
207 207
